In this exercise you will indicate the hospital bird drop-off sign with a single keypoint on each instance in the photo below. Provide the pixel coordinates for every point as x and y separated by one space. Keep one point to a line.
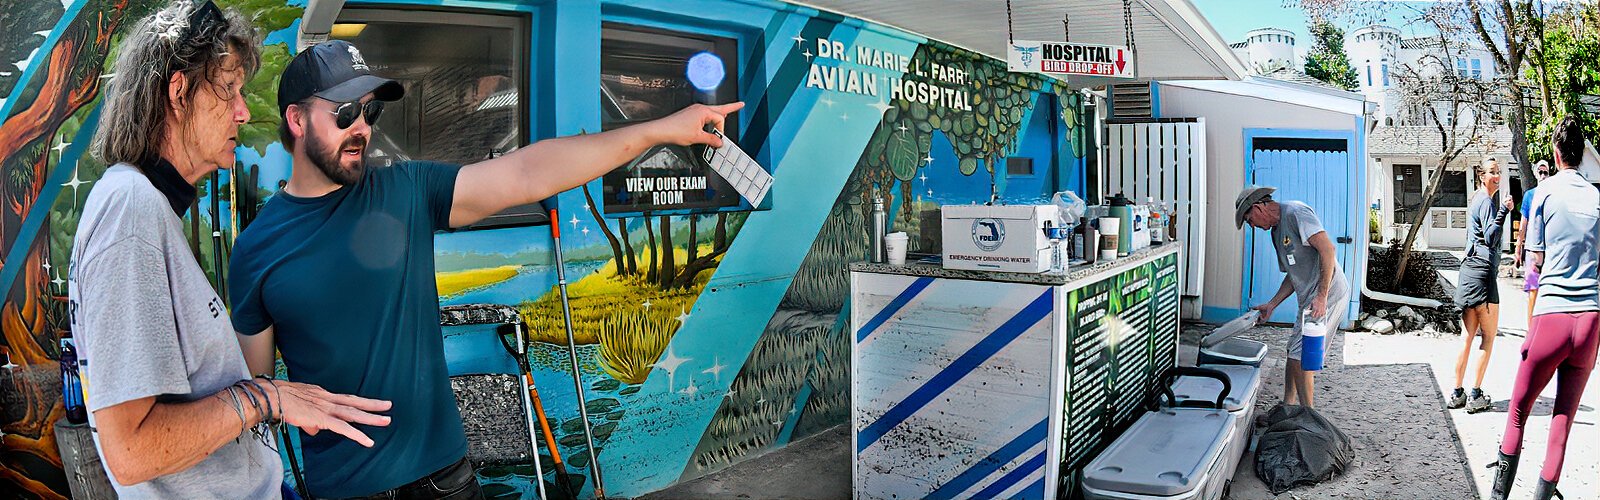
1114 61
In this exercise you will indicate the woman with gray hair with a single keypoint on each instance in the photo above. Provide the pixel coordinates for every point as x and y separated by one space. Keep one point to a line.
173 406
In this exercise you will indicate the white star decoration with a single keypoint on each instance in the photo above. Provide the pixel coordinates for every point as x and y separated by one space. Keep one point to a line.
586 206
807 53
924 177
798 40
826 102
670 362
574 221
691 390
61 145
844 116
927 159
729 394
881 107
716 369
74 184
646 303
902 128
682 315
585 231
47 266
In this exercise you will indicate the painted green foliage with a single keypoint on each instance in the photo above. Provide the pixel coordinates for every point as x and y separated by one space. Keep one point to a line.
805 349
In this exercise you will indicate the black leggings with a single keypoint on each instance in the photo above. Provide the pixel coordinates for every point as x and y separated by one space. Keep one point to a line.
1563 345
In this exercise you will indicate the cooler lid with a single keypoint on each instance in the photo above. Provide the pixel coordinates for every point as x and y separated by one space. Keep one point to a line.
1165 453
1244 381
992 211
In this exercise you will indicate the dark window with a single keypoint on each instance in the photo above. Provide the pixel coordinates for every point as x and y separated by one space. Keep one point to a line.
643 76
464 77
1453 190
1019 166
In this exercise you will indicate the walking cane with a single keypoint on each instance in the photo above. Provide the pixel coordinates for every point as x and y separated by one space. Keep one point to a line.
572 348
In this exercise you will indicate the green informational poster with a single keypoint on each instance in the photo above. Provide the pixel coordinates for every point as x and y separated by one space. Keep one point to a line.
1088 334
1122 332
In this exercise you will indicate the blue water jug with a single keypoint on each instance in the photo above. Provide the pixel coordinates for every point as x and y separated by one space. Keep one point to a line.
1313 342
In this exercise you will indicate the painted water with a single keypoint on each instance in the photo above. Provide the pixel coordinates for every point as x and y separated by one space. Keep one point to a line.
477 349
530 283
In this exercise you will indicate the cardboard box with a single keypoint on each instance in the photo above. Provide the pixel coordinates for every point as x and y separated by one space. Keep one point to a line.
997 238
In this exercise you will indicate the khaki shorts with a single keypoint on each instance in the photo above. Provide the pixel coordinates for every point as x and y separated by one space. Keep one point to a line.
1335 310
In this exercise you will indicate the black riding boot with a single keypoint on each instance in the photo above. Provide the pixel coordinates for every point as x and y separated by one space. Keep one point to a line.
1546 490
1505 473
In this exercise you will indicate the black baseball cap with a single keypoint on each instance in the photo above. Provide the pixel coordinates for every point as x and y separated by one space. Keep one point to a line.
333 70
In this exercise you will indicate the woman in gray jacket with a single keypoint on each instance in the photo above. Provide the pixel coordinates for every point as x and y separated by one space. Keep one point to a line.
1476 292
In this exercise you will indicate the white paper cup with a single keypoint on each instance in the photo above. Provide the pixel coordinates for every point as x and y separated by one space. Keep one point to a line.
894 244
1110 228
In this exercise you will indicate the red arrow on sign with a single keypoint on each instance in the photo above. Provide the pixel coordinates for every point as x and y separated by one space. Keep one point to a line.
1120 62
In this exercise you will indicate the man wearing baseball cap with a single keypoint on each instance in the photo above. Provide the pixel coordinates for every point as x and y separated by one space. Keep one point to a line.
1310 265
337 272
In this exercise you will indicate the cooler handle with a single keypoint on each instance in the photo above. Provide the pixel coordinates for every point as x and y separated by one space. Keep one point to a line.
1171 376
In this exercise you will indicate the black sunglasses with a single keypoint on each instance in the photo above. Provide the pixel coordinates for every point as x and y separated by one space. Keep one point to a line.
347 112
206 16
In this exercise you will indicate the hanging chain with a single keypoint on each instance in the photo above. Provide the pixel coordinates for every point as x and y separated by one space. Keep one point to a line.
1127 21
1010 35
1066 29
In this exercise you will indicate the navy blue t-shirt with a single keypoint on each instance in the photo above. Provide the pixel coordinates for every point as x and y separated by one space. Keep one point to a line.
347 282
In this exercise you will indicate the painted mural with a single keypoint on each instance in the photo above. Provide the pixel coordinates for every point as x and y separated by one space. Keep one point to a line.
703 339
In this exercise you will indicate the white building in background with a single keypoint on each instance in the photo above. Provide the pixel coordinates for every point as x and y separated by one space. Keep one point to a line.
1265 50
1378 54
1404 144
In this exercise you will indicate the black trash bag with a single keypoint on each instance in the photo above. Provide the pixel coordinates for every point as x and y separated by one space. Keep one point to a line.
1298 447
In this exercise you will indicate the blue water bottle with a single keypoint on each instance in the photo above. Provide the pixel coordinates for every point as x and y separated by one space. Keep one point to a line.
1313 340
71 386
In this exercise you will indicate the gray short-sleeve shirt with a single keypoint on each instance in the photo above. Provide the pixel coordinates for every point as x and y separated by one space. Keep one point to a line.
1565 225
148 324
1291 239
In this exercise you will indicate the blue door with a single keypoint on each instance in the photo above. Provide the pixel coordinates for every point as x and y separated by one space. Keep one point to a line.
1317 173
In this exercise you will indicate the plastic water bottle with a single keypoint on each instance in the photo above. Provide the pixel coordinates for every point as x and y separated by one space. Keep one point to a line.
1313 340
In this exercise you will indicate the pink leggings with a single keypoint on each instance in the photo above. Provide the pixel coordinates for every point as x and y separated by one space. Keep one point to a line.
1558 343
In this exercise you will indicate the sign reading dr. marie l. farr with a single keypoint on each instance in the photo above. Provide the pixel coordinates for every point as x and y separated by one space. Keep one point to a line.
1060 58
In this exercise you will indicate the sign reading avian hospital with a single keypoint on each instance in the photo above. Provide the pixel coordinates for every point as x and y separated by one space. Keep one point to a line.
1113 61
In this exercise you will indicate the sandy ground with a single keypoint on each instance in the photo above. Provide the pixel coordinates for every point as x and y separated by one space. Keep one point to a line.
1387 392
1404 442
1481 433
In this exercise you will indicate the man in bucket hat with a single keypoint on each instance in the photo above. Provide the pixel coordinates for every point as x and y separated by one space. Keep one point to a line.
1310 265
337 271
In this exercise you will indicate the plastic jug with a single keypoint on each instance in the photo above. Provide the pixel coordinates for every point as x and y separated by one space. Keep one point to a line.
1313 340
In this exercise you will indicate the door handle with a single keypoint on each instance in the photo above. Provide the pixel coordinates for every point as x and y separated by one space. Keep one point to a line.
1344 239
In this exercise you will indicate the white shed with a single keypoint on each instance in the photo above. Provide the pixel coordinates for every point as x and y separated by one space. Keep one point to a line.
1306 139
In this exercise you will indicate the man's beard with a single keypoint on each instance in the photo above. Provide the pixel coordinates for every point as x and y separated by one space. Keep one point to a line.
328 159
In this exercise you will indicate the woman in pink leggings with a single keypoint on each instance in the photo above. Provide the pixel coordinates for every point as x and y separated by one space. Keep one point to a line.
1561 345
1565 330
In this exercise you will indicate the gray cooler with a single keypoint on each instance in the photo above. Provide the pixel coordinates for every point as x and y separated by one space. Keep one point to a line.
1221 348
1244 385
1176 452
1234 351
